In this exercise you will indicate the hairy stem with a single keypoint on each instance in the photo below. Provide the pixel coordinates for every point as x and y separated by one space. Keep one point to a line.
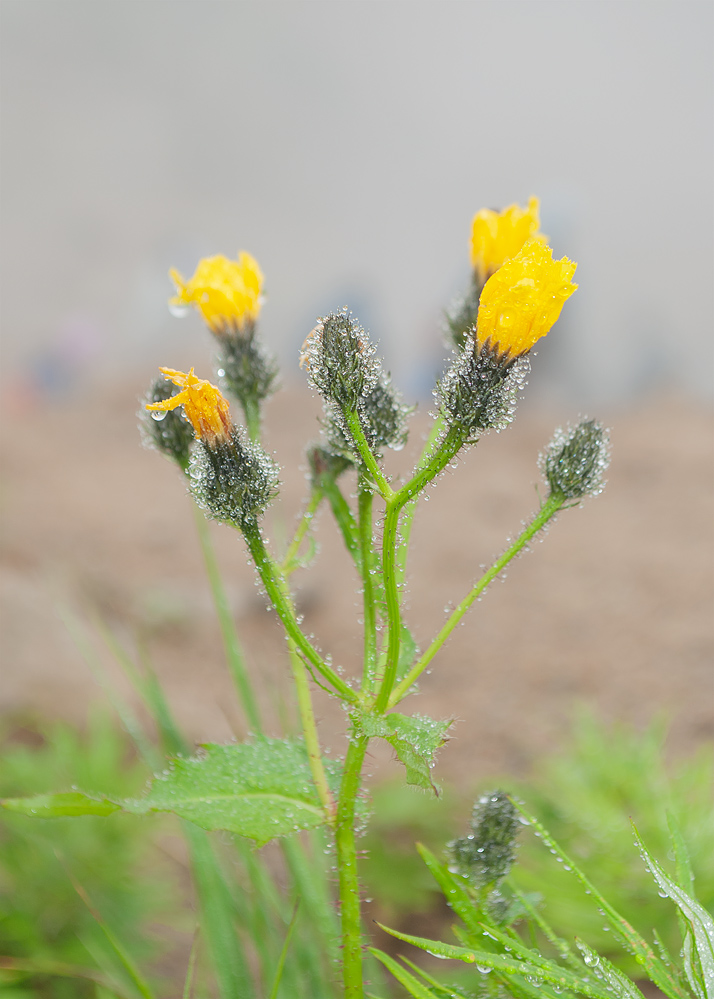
439 460
276 588
368 459
365 500
546 512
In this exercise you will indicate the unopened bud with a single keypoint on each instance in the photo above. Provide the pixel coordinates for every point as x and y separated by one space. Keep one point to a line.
486 855
479 391
247 371
233 480
340 361
575 461
166 431
325 461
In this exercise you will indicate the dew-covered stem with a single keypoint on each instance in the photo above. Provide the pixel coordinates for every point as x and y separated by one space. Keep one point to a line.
344 518
407 520
546 512
365 502
251 411
276 588
355 427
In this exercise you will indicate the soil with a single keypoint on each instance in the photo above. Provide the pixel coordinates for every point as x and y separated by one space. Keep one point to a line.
614 609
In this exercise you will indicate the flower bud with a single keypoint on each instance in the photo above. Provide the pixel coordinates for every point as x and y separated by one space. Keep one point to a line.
231 479
522 301
246 370
576 459
326 461
486 855
165 431
234 480
480 390
339 360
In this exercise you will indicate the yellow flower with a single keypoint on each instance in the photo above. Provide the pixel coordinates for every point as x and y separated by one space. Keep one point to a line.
203 405
523 299
226 292
498 236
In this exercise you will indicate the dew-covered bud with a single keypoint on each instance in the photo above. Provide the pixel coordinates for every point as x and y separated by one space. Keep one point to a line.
486 855
163 430
576 459
232 479
479 391
246 370
340 361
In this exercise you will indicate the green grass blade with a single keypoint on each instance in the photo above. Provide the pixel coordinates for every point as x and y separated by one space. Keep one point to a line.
284 953
191 969
631 939
39 966
228 956
413 986
616 982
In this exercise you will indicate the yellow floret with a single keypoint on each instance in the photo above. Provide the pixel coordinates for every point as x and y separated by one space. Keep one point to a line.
226 292
498 236
203 405
523 299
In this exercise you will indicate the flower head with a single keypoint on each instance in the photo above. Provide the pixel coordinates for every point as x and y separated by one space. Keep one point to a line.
203 405
226 292
523 299
498 236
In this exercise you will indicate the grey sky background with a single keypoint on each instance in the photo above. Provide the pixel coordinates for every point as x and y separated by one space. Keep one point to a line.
347 145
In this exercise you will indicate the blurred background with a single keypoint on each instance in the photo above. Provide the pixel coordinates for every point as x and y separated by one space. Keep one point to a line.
347 145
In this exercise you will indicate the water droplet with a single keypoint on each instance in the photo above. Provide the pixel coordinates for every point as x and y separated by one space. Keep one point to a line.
178 310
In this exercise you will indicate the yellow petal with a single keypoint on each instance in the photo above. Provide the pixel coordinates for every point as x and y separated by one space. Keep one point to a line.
523 299
498 236
203 405
226 292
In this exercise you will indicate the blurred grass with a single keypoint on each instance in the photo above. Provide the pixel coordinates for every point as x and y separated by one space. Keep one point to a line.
132 884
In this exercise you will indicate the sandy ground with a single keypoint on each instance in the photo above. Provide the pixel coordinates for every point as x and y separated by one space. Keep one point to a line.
614 609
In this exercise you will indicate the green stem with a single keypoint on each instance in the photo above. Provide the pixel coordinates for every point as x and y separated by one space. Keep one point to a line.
365 501
546 512
410 508
251 411
344 518
439 460
231 642
276 588
309 730
305 523
355 427
350 913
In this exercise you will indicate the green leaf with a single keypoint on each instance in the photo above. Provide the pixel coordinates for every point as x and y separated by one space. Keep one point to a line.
415 740
261 789
615 980
52 806
413 986
545 971
700 972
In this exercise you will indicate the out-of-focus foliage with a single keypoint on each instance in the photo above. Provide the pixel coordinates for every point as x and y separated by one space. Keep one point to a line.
127 878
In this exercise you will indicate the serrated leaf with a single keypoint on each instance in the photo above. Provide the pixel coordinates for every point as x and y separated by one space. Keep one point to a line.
415 740
259 789
52 806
